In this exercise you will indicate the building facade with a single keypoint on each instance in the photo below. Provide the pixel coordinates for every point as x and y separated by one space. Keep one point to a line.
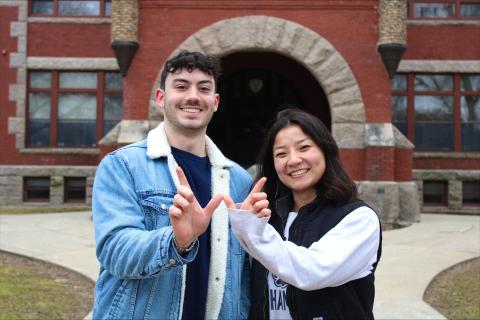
396 82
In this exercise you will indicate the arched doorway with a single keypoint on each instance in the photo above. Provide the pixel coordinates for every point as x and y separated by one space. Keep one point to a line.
253 87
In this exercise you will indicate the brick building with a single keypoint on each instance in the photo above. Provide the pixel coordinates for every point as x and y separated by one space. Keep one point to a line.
397 82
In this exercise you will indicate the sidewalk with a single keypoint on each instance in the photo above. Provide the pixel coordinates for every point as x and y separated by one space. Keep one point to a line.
410 260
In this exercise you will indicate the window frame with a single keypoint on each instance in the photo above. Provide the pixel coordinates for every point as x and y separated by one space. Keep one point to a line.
457 6
102 4
456 93
25 190
467 203
100 91
444 202
66 198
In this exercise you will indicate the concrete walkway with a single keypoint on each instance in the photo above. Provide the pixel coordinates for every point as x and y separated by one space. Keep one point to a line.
411 256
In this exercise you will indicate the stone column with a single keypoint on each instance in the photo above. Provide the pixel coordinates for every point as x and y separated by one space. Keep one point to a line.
88 191
455 194
392 33
124 32
56 190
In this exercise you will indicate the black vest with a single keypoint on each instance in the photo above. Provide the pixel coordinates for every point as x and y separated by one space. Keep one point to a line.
352 300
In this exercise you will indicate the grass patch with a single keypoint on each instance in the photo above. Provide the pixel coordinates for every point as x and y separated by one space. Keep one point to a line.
455 292
31 210
32 289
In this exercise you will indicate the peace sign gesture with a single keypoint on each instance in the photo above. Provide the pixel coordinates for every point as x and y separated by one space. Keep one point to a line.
189 220
256 201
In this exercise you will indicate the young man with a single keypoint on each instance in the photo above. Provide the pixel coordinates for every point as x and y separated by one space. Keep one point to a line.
163 238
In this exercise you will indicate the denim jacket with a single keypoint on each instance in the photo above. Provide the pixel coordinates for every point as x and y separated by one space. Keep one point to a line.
141 274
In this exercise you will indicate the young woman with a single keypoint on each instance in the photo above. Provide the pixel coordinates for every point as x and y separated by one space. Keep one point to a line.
315 257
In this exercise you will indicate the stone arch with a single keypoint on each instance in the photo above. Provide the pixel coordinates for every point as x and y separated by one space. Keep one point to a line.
305 46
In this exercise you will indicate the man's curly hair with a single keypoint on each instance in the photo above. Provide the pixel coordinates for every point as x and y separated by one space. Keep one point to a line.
191 60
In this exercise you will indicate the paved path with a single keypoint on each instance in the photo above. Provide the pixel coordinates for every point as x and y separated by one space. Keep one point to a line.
411 256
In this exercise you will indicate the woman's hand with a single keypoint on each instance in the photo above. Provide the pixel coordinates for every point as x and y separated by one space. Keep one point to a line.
255 202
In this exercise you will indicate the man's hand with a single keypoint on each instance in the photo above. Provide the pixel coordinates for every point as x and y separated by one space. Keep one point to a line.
188 218
256 201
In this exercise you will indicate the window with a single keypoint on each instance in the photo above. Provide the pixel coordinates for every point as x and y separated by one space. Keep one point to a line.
75 189
444 9
435 193
72 109
471 193
470 112
36 189
65 8
438 112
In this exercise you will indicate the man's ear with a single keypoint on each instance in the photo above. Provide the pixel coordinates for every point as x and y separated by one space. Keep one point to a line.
160 95
217 101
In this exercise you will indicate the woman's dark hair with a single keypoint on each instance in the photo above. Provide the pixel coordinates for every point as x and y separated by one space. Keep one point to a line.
335 186
191 60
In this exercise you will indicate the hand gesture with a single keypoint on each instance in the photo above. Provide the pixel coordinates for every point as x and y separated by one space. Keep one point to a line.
255 202
189 220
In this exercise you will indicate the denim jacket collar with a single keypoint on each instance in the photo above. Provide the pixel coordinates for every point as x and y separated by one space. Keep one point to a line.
158 146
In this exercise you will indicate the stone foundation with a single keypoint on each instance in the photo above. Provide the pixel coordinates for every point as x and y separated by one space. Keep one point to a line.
11 183
455 191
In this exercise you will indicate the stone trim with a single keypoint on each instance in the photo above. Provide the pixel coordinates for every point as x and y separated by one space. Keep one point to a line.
17 60
446 155
64 151
416 22
444 174
299 43
70 20
436 66
379 135
260 4
57 63
126 132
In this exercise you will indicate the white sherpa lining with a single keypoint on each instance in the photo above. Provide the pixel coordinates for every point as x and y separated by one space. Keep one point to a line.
157 147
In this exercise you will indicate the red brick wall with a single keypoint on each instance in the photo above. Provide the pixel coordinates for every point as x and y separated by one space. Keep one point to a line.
69 40
443 43
8 76
354 162
351 31
464 164
403 164
379 163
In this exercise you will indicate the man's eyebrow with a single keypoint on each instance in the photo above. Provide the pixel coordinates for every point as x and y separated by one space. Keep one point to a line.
180 80
205 82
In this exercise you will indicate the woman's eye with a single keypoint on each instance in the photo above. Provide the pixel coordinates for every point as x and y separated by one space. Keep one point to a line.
280 155
305 147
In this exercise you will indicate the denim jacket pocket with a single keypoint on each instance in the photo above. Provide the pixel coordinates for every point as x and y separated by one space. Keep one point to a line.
156 206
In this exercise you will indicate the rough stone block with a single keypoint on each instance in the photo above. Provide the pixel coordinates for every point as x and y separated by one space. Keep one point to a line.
455 196
349 135
18 29
379 135
409 203
383 197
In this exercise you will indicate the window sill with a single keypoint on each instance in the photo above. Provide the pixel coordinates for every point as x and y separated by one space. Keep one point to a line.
446 155
442 22
77 20
62 151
